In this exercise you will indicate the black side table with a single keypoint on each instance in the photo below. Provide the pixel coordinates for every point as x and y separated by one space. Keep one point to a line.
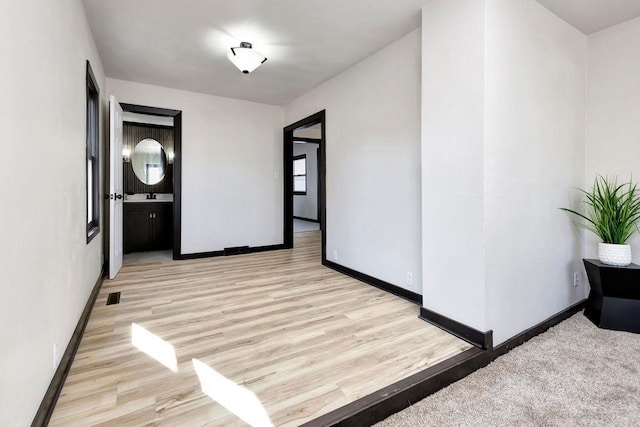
614 299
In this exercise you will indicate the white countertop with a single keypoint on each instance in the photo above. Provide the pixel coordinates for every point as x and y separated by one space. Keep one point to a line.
148 201
142 198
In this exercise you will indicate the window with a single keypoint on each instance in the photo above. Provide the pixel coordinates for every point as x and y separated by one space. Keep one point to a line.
93 165
300 175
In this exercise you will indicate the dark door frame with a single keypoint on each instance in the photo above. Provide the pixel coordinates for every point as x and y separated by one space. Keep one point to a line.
313 119
177 165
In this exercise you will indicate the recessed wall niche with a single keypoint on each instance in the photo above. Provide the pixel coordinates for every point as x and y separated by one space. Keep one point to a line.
134 133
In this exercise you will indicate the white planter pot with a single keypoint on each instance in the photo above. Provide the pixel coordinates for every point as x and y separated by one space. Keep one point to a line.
618 255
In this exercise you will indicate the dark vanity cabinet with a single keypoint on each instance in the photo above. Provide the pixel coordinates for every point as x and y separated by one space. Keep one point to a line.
148 226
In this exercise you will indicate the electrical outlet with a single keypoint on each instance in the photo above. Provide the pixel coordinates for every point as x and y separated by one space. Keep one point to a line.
55 355
576 279
409 278
335 254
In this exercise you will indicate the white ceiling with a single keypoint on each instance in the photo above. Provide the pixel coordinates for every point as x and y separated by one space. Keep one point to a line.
590 16
183 44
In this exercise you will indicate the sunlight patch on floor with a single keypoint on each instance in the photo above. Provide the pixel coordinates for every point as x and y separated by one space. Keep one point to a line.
235 398
154 346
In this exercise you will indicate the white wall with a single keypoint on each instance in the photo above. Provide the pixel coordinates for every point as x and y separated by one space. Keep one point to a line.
373 161
503 146
307 206
534 157
453 160
47 268
613 111
231 151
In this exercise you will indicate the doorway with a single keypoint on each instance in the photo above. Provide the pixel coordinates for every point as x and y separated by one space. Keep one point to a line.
306 182
176 168
168 215
304 178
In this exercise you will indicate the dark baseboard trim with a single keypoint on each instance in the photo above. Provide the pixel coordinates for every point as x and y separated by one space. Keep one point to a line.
483 340
55 387
377 406
385 402
251 249
198 255
267 248
306 219
385 286
541 327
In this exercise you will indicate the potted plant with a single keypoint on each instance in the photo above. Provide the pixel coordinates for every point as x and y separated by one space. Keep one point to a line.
612 213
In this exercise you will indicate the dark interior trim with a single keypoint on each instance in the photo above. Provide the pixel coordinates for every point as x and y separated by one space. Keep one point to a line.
396 290
93 151
146 125
306 219
177 165
245 250
152 111
177 185
389 400
541 327
483 340
318 207
55 387
287 152
385 402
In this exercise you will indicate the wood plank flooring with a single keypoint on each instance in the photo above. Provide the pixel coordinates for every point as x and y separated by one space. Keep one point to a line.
270 338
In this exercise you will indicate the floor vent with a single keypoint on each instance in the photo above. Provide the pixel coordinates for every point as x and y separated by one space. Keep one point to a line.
113 298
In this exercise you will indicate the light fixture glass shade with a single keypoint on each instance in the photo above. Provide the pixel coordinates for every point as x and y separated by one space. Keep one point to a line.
245 57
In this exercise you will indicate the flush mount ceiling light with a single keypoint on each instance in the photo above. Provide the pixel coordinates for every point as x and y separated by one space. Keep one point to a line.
245 57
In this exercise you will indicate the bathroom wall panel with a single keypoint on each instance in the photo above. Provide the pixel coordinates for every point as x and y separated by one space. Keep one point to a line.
134 133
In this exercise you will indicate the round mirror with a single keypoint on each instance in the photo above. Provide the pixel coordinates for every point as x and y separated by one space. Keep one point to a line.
149 161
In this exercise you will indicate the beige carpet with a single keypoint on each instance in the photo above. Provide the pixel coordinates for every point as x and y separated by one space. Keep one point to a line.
572 375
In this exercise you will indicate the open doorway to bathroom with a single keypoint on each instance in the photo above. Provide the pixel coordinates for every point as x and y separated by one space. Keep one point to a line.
304 178
151 183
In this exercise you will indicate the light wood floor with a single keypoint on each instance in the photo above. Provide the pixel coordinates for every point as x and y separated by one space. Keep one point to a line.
271 337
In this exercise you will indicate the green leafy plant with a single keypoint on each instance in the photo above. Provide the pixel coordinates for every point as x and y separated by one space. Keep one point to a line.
613 211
